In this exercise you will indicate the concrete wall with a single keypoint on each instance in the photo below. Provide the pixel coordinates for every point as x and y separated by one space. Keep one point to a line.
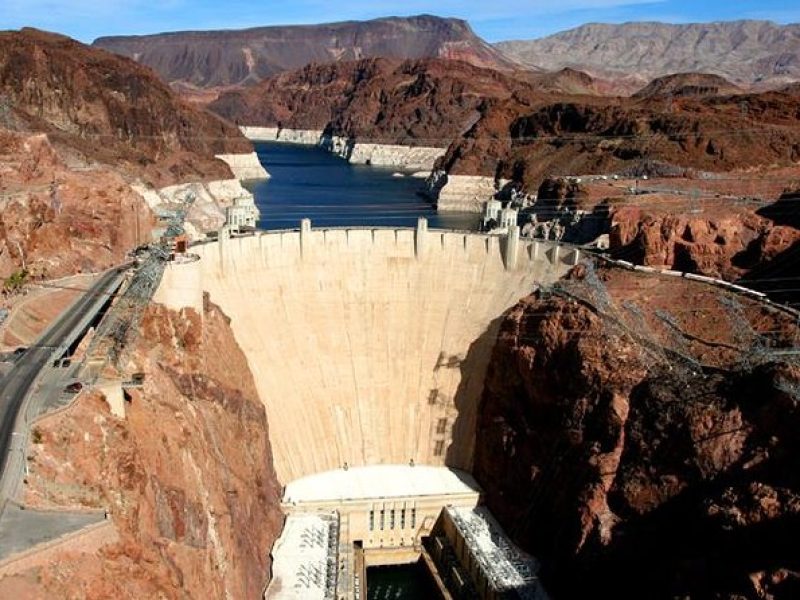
370 346
181 286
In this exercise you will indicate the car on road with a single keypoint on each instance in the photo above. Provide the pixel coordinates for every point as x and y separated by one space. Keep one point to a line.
74 388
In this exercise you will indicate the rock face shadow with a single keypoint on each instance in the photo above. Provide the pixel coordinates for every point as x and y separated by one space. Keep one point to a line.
461 451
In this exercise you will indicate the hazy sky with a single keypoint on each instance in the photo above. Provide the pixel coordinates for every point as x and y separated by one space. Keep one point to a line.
494 20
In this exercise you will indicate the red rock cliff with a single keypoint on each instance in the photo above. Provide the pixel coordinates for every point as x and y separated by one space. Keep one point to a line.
639 437
187 477
109 109
57 221
722 241
78 125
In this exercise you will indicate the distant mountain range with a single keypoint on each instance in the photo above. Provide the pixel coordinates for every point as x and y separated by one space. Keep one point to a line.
245 57
748 53
745 52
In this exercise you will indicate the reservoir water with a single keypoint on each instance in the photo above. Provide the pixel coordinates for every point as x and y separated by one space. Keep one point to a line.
308 182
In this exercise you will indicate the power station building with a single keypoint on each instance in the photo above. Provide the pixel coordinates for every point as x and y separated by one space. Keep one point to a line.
244 214
423 516
475 558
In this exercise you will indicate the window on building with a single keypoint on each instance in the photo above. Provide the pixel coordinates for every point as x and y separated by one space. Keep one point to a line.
441 426
391 519
438 448
413 518
372 520
383 518
402 518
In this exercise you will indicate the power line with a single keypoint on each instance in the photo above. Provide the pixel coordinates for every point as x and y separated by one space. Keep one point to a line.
766 129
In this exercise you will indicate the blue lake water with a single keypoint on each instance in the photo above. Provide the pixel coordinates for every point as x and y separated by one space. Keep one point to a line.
308 182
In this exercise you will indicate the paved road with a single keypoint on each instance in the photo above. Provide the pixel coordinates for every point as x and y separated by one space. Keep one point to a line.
22 529
16 385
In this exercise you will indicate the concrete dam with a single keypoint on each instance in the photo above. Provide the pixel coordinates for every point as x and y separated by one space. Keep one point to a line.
368 346
369 349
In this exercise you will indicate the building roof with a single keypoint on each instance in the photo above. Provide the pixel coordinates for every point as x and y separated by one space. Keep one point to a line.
305 559
380 481
507 568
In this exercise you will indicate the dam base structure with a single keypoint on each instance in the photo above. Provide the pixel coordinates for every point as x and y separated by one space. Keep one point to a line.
369 349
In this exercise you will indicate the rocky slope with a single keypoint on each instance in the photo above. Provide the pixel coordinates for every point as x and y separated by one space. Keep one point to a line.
713 230
792 88
688 84
81 131
108 109
56 221
745 52
525 138
637 436
244 57
187 477
721 240
571 82
391 100
427 102
778 276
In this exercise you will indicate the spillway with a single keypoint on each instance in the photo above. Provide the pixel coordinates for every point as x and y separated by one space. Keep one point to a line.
368 346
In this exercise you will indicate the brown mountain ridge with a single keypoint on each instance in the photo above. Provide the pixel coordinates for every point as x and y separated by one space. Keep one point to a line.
523 129
245 57
108 109
757 53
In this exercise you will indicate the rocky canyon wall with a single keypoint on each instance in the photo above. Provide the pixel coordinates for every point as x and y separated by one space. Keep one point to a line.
467 193
637 434
187 477
86 138
721 238
56 220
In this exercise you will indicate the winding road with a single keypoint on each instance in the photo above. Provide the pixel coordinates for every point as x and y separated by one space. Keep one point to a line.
16 386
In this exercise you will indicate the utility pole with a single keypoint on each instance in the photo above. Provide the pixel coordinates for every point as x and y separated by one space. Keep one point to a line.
136 216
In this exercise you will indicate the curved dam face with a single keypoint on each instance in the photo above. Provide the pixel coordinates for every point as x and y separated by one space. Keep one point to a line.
368 346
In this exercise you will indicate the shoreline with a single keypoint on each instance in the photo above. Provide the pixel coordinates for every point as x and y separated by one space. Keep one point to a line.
449 193
411 158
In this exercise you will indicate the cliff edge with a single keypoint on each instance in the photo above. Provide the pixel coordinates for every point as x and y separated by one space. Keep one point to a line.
187 477
638 436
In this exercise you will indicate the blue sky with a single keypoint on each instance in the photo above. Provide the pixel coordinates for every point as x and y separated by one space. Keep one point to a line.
495 20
